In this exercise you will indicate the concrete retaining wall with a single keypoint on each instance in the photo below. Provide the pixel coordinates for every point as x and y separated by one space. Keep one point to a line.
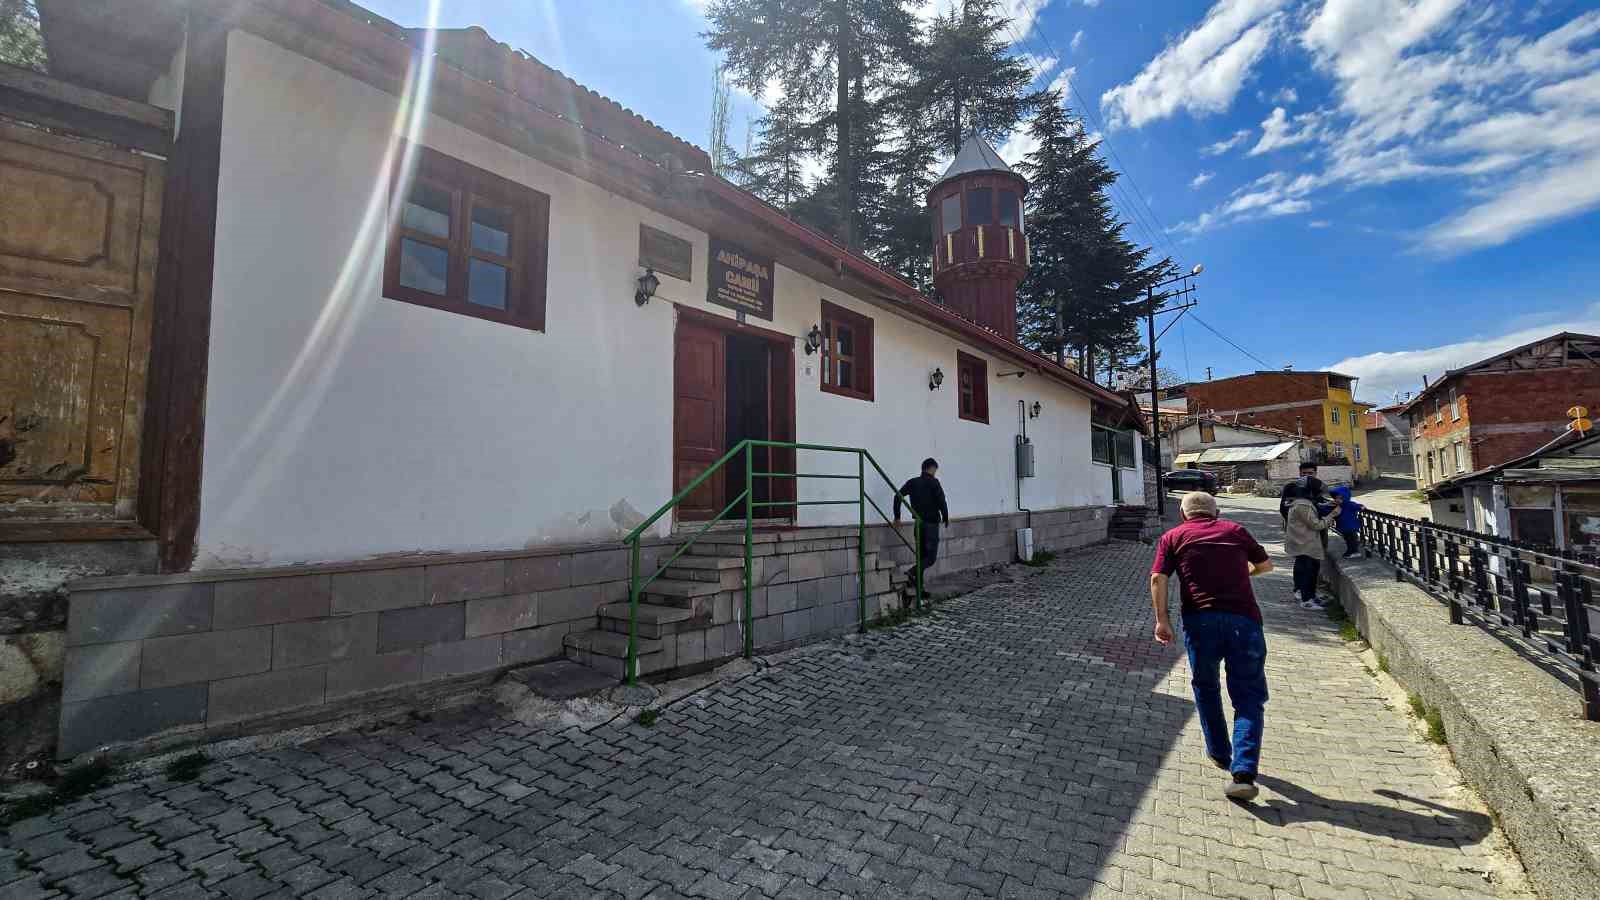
1516 732
992 540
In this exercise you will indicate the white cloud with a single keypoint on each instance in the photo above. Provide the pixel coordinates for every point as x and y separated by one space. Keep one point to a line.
1286 95
1385 374
1041 65
1202 71
1545 196
1227 143
1022 13
1436 89
1201 179
1077 39
1319 223
1278 131
1062 83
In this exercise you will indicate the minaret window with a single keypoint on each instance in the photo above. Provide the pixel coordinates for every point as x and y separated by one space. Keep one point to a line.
980 206
950 213
1008 209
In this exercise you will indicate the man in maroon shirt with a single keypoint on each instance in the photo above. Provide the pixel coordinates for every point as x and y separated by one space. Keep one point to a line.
1214 559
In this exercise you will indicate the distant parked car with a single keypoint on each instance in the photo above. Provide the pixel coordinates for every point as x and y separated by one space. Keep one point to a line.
1190 480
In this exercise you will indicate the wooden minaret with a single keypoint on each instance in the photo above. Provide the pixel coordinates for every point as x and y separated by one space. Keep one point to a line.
980 252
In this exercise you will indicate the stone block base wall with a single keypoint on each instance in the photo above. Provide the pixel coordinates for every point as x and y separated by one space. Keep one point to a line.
202 652
162 659
1517 733
33 621
992 540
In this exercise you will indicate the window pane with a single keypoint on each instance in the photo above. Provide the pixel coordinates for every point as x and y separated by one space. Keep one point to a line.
486 284
980 206
491 229
950 213
1008 208
846 374
1125 449
847 344
424 267
1100 445
428 210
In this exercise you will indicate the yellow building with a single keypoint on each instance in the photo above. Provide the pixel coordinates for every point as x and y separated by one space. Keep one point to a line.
1318 406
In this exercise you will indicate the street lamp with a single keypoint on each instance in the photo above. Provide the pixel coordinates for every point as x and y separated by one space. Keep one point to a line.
1155 389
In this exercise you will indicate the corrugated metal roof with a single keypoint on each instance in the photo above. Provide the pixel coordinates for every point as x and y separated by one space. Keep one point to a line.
1254 453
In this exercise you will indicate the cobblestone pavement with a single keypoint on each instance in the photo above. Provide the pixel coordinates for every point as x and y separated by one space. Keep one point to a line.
1030 740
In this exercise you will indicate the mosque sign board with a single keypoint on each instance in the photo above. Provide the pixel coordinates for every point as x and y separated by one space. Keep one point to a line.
739 279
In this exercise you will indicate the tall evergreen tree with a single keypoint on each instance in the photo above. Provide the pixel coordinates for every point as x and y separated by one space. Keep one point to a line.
965 78
20 42
1086 280
830 58
722 155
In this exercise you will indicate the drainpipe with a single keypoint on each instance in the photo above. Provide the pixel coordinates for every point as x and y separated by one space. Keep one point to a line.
1022 421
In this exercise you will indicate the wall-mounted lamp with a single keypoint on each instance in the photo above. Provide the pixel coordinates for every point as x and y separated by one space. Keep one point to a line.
1034 412
648 282
935 379
813 340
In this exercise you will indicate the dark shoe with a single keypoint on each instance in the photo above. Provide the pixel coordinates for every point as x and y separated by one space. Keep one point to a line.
1243 787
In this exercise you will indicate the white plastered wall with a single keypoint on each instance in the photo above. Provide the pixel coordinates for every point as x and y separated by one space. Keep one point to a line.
340 424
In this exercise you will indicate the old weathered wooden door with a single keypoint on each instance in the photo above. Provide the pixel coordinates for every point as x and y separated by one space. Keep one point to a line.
698 416
78 238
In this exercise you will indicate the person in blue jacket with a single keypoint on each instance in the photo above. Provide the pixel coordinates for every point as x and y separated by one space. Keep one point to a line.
1349 523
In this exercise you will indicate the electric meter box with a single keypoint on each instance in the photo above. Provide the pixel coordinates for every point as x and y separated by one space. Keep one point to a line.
1024 458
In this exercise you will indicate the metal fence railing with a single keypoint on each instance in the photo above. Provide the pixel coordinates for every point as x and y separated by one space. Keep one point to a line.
1536 598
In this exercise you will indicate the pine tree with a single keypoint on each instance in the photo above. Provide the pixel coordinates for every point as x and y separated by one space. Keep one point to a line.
20 41
831 59
965 78
1086 281
722 155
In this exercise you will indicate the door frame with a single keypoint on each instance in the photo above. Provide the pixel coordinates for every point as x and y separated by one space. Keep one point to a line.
781 405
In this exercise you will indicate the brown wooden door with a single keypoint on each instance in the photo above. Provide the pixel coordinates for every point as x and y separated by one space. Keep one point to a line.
699 417
78 237
781 386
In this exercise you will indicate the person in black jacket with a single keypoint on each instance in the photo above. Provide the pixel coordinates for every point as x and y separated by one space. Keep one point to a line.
925 496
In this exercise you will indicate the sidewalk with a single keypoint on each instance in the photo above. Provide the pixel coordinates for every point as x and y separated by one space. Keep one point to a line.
1030 740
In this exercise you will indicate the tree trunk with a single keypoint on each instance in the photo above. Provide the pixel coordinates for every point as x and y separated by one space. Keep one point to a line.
845 55
1061 338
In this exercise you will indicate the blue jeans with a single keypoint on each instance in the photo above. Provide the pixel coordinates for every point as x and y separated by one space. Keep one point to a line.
1214 639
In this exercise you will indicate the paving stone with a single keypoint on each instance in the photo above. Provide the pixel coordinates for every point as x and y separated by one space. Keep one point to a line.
1029 739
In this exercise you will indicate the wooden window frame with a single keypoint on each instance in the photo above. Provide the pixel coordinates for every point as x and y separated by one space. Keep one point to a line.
980 387
527 266
864 380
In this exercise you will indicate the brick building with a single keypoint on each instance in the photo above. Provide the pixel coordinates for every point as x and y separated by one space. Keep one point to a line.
1318 406
1501 408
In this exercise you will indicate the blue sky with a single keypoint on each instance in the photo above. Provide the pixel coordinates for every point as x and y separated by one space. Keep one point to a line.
1389 187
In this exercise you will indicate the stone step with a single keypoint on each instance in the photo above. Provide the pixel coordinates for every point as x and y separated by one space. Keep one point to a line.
709 563
654 621
607 652
683 590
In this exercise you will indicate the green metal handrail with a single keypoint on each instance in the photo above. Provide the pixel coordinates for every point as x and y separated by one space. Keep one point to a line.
747 497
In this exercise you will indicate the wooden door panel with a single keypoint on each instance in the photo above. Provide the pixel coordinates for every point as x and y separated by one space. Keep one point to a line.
699 417
77 271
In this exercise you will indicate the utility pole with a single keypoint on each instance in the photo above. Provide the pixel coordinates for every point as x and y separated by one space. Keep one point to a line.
1152 308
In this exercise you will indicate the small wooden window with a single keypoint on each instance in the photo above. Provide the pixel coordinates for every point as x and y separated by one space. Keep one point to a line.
846 352
469 242
950 213
972 388
1008 209
980 206
1100 449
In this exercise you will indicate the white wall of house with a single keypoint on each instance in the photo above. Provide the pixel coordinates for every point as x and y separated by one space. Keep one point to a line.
340 424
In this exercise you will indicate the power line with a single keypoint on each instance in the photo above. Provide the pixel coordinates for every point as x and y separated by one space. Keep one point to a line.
1049 50
1105 139
1229 342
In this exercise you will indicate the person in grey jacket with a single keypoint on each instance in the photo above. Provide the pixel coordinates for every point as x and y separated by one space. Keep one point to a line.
1302 539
